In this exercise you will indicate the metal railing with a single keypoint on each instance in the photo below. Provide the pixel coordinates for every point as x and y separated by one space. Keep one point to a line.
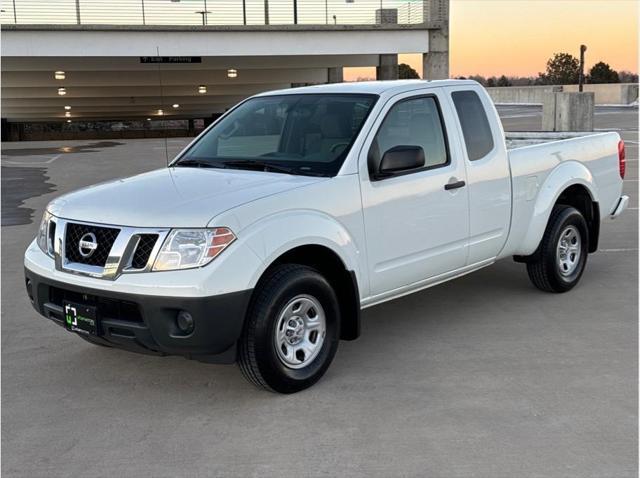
212 12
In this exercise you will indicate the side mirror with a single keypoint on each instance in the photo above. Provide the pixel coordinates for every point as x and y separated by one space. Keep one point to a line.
401 158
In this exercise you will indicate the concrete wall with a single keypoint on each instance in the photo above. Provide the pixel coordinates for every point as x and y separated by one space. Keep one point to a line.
614 94
609 94
521 94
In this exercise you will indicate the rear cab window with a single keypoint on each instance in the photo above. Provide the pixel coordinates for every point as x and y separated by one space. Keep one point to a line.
476 130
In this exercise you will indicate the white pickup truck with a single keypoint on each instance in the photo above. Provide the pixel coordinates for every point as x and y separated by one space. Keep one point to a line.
263 240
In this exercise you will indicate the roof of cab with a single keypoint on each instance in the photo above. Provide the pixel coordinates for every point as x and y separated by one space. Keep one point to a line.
370 87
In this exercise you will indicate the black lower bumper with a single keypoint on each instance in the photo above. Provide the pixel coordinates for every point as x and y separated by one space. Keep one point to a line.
147 324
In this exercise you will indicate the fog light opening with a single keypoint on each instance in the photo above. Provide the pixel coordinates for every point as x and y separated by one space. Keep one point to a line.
30 289
185 322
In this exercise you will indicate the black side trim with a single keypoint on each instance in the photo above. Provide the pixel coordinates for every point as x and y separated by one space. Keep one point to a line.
351 328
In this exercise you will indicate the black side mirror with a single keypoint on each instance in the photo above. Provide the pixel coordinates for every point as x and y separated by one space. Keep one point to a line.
401 158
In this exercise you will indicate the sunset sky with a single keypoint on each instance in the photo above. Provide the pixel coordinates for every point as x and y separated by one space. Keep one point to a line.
516 37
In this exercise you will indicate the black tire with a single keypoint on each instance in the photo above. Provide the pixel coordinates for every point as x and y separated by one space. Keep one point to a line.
257 355
544 268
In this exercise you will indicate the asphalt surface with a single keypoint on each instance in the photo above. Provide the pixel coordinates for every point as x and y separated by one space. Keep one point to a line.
484 376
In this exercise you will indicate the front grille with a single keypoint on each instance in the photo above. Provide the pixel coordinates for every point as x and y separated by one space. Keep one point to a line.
107 308
143 251
105 237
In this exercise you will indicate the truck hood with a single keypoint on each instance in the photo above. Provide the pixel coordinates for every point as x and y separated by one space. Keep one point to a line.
172 197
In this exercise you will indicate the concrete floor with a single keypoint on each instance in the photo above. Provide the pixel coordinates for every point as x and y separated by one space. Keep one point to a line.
481 377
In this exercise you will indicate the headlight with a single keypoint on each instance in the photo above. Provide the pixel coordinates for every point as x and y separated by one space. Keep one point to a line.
188 248
43 234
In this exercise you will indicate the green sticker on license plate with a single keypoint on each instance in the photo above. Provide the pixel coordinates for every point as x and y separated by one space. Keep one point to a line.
80 318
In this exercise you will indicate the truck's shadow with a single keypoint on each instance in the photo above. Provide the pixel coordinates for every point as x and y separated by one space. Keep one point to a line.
396 336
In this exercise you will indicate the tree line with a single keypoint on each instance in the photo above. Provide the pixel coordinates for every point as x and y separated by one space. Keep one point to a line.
562 69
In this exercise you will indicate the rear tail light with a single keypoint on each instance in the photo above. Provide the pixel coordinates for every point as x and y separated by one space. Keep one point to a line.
622 162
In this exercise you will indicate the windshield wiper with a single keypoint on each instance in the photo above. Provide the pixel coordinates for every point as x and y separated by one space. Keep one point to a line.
198 163
259 166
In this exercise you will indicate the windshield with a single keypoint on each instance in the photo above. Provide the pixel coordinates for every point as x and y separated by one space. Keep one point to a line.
307 134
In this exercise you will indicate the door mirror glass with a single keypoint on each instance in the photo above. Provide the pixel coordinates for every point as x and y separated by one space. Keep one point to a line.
401 158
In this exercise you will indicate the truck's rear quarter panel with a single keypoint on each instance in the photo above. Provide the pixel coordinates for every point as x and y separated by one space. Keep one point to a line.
540 173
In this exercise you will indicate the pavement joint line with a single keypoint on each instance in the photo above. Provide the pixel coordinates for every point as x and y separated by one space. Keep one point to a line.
618 250
39 163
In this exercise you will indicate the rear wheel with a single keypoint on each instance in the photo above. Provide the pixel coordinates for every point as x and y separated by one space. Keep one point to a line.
292 330
559 262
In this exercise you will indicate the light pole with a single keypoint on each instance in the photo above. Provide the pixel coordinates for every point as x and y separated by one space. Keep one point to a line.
266 12
583 48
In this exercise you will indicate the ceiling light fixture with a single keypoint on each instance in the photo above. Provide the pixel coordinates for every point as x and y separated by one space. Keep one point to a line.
176 105
68 121
59 75
202 89
67 114
67 107
160 112
232 73
62 91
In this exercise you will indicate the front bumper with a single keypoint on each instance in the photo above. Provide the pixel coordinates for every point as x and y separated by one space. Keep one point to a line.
147 323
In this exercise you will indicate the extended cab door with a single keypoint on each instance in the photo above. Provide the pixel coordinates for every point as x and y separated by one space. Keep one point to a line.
416 221
487 166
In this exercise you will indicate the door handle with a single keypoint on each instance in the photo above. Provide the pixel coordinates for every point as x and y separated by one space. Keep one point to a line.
456 185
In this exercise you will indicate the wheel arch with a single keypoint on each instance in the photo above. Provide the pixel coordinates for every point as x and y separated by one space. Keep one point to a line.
571 183
343 280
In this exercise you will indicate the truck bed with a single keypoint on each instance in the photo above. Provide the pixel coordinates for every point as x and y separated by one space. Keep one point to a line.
519 139
591 158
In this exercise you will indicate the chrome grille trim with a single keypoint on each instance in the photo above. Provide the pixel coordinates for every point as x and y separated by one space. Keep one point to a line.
120 256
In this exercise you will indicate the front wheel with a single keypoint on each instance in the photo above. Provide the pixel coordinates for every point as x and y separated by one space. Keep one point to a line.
560 260
292 330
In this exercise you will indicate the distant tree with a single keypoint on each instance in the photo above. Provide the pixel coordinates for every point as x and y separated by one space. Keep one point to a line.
461 77
504 81
480 79
562 69
601 72
491 82
628 77
405 72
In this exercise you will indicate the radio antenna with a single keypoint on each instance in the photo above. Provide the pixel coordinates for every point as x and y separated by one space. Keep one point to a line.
164 124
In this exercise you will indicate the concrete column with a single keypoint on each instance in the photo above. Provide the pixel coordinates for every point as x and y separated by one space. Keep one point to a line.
568 112
335 75
387 68
4 132
435 64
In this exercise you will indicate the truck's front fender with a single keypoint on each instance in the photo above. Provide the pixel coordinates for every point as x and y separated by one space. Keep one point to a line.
565 175
274 235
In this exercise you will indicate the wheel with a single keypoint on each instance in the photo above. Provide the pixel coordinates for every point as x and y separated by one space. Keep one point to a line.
560 260
292 330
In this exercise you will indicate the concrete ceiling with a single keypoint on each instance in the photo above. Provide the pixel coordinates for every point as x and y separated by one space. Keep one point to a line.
106 79
125 88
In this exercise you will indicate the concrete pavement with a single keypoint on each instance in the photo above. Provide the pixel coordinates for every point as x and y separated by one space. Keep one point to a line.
481 377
